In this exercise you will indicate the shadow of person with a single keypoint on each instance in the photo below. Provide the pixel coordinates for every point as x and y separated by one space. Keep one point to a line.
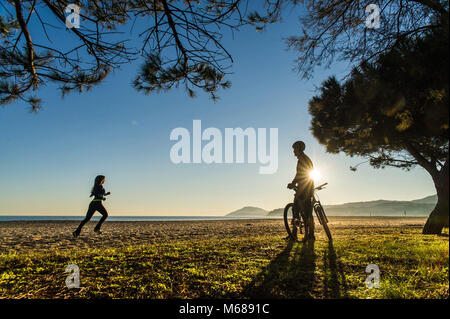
335 284
289 275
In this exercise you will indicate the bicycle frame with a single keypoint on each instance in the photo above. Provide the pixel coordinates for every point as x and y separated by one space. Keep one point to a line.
318 209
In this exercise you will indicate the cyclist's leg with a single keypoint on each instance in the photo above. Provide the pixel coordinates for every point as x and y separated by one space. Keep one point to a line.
308 216
311 219
296 210
302 211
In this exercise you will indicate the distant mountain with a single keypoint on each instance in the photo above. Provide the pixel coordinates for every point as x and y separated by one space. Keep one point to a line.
276 212
418 207
427 200
249 212
380 208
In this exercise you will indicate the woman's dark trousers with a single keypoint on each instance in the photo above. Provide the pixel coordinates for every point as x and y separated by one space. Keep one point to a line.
93 207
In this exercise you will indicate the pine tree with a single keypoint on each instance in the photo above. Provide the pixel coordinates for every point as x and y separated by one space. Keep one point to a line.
394 112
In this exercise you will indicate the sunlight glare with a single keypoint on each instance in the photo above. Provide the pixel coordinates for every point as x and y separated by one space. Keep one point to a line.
314 175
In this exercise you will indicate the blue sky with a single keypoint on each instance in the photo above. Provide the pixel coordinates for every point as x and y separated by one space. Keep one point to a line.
49 160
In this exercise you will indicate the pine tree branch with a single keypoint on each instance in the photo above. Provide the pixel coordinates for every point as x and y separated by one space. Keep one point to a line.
30 49
427 165
174 32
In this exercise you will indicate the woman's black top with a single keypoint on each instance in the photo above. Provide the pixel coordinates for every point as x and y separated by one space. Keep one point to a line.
98 192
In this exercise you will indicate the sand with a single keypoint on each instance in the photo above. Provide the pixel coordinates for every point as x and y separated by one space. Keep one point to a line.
23 236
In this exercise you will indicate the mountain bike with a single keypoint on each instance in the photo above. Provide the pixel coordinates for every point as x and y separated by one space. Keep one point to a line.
294 220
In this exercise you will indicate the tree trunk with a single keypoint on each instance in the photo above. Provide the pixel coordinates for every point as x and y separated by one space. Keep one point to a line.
439 217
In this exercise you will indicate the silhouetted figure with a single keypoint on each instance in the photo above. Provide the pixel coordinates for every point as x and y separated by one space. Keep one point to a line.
96 205
305 191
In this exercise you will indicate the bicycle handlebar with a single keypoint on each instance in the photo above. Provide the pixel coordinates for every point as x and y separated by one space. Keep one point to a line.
321 186
295 188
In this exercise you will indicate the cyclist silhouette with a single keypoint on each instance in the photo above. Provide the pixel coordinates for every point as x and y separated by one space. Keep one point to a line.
96 205
305 191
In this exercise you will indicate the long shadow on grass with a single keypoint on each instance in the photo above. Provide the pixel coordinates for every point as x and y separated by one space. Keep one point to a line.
335 284
289 275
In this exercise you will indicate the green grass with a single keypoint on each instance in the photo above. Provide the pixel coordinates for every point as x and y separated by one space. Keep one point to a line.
411 265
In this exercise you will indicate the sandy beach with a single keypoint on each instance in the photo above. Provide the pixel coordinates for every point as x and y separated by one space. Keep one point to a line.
23 236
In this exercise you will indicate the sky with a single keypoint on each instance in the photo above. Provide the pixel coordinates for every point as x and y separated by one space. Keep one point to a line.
48 160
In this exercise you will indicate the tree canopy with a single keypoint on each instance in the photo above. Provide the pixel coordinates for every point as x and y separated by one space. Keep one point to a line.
180 42
336 29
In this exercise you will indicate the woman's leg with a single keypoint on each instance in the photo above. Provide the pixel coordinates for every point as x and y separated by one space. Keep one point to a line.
102 210
90 212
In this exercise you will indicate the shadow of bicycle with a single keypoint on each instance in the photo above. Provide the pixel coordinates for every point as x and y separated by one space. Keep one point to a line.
292 274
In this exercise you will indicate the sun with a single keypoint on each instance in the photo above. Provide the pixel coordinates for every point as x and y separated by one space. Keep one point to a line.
314 175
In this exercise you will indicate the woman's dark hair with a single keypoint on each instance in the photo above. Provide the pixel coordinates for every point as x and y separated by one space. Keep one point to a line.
97 182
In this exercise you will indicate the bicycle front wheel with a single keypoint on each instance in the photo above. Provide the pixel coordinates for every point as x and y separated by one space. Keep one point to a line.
293 221
323 220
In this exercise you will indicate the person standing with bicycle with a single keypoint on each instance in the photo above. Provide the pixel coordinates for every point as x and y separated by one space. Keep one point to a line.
305 188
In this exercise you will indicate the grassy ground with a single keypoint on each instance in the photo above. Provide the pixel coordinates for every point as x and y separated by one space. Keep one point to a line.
248 266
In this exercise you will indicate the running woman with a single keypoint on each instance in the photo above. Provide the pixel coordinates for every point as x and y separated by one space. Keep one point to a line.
96 205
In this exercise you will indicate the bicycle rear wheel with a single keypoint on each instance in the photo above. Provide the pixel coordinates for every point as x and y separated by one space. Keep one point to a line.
323 220
293 222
